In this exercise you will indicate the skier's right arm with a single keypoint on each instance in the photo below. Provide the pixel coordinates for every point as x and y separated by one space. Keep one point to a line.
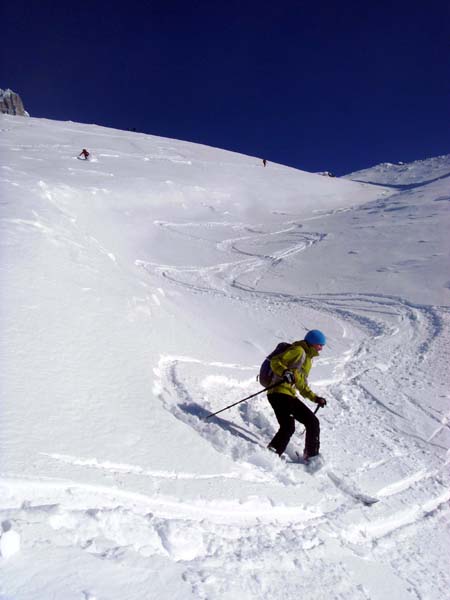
287 361
283 362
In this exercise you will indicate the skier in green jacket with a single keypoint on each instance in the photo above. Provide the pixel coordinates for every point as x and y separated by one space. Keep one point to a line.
292 368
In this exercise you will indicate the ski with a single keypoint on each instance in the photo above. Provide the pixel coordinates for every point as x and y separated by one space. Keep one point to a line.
351 490
315 464
312 465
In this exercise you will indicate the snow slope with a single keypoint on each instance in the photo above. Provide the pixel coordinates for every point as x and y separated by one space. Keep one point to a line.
140 291
403 175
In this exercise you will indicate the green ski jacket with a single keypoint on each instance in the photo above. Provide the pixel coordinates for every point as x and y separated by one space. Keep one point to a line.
298 359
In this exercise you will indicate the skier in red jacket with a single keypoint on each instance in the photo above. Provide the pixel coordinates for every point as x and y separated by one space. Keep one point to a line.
84 153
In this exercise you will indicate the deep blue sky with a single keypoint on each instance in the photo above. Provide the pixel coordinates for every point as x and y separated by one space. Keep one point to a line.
317 85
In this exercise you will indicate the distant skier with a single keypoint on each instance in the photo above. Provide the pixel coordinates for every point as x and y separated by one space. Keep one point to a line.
264 162
84 154
292 368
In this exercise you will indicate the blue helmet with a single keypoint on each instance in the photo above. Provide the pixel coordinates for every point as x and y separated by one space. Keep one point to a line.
315 337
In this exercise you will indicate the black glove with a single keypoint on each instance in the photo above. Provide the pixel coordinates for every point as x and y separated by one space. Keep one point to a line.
320 401
288 377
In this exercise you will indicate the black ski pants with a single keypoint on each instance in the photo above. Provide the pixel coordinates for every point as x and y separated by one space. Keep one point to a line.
288 410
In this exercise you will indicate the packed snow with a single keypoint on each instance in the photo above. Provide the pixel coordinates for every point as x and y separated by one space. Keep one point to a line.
141 290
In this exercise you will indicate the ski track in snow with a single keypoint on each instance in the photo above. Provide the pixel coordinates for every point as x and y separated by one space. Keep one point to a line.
117 525
221 278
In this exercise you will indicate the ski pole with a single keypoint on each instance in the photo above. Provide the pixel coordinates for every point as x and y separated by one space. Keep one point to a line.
243 400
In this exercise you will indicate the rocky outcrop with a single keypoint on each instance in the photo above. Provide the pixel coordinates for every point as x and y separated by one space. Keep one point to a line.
11 103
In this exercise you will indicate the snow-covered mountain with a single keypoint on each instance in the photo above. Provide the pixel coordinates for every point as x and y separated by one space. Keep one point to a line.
405 174
140 291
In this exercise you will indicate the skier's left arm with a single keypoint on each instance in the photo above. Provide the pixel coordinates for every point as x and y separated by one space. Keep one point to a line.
307 392
301 383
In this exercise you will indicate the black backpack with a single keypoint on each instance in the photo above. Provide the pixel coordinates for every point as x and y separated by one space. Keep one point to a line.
266 376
